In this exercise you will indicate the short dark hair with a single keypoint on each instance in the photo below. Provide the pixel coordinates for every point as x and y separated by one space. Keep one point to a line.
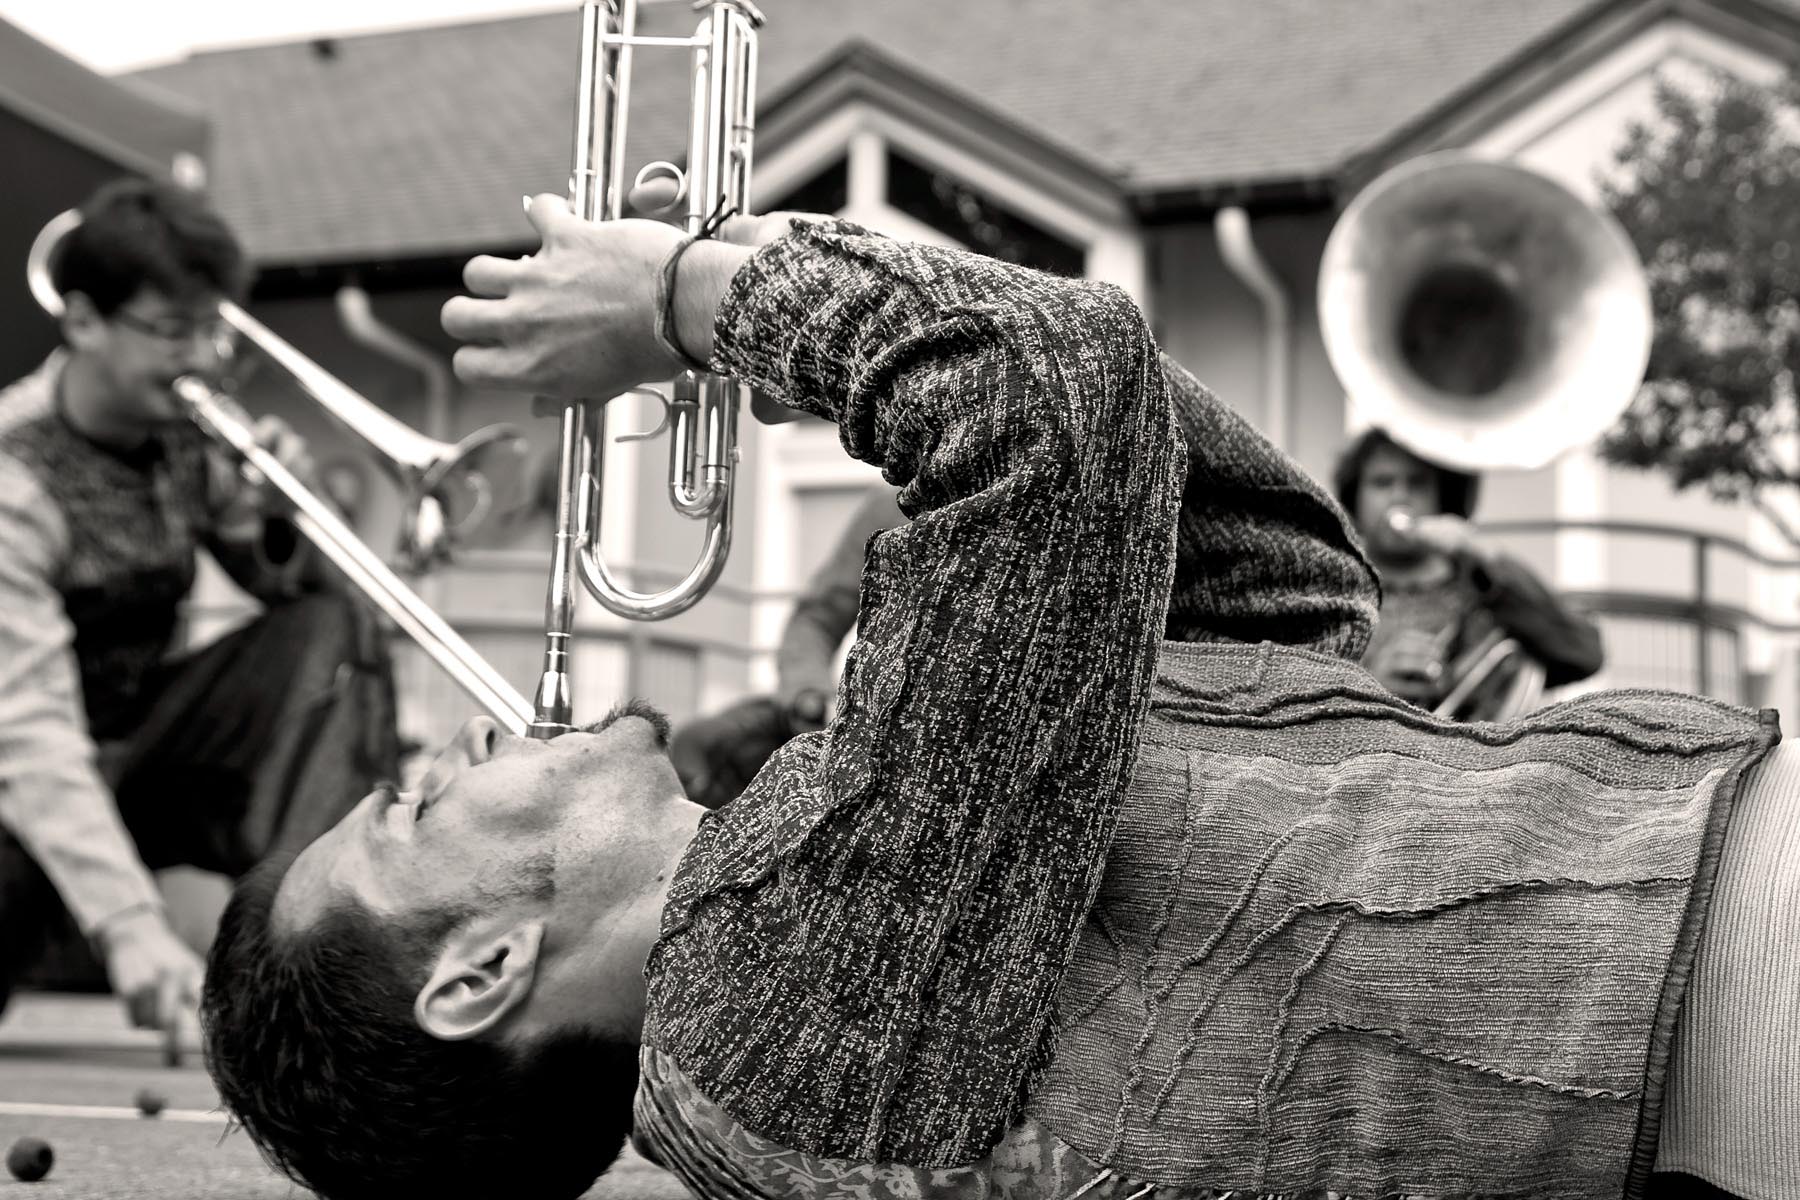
1457 490
311 1040
138 233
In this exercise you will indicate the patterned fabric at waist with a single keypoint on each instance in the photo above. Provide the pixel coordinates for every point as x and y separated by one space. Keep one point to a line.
1343 946
678 1127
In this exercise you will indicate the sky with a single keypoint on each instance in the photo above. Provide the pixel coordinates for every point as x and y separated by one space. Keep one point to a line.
117 35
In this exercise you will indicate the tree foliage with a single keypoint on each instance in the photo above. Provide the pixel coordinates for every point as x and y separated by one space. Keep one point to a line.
1709 192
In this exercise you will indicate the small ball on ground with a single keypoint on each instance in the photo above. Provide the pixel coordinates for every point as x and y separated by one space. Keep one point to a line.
150 1103
30 1159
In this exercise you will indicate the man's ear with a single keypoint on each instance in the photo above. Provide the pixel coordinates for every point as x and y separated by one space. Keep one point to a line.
482 974
82 325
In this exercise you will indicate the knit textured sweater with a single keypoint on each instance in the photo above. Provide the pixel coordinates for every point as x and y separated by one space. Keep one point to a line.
829 932
930 919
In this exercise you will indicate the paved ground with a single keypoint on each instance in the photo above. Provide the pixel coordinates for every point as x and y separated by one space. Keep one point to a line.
69 1073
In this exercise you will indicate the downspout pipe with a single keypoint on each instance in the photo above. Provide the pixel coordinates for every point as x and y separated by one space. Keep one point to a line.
358 316
1237 246
423 537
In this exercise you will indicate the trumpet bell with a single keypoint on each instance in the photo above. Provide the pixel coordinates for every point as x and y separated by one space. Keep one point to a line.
1483 314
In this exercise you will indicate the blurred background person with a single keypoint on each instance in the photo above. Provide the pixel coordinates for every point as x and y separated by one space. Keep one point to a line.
806 662
1448 598
718 754
116 759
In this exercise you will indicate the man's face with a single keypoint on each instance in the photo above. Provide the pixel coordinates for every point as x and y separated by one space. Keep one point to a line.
565 830
1393 481
149 342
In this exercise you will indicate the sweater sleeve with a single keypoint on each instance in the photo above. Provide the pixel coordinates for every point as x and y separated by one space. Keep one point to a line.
52 797
1263 554
935 850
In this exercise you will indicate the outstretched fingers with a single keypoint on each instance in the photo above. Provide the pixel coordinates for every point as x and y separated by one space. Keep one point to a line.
472 319
495 278
501 368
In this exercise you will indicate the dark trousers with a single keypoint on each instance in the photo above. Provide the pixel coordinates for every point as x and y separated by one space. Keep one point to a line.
254 745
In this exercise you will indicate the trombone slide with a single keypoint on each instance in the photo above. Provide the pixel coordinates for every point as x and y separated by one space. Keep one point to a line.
224 419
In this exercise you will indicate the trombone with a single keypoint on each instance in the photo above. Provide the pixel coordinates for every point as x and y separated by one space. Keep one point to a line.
701 411
427 467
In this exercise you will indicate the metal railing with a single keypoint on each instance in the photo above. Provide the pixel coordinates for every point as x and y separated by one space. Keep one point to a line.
1689 641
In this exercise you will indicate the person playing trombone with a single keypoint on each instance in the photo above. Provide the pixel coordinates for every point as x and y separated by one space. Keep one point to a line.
116 759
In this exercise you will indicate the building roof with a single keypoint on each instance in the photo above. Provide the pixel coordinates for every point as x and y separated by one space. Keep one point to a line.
113 118
419 142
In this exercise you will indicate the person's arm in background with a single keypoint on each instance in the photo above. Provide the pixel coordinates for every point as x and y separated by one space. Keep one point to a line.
52 796
806 661
251 537
1566 643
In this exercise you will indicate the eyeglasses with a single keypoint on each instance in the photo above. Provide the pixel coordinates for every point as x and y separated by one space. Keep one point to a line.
174 330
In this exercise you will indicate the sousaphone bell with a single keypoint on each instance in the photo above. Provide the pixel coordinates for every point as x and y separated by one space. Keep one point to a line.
1482 314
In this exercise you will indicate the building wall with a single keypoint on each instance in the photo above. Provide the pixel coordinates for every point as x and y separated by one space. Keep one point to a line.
60 173
1208 320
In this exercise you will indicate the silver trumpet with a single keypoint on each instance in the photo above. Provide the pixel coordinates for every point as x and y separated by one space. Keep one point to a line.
701 411
427 468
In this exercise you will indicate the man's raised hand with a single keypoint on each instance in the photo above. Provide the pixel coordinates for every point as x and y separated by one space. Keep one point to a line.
576 319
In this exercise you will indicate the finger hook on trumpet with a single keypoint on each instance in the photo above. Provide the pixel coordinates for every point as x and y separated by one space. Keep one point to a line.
651 183
661 425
